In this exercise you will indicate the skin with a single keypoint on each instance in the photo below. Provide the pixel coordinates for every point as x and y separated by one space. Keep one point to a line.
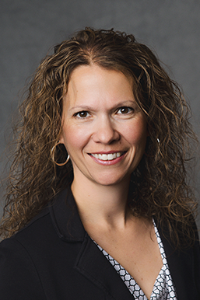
101 116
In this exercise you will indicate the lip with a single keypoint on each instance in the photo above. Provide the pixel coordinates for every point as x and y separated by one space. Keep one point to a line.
108 162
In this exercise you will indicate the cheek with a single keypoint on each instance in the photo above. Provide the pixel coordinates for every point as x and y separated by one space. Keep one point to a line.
73 138
137 133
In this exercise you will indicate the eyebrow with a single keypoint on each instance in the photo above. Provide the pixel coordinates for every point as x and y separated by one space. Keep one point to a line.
82 107
87 107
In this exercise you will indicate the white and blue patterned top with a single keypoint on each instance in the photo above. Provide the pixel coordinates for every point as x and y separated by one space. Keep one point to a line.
163 287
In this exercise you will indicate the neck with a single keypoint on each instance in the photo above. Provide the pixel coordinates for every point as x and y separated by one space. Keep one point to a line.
100 204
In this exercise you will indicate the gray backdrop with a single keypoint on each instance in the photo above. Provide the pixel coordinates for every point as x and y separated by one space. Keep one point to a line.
29 28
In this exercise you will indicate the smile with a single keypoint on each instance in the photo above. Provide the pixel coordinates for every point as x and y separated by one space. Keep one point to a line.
109 156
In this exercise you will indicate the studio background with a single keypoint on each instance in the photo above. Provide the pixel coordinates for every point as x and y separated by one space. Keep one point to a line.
29 29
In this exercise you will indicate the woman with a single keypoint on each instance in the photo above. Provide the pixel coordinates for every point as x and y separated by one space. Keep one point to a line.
98 206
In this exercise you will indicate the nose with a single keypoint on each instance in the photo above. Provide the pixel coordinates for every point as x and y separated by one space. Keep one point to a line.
105 131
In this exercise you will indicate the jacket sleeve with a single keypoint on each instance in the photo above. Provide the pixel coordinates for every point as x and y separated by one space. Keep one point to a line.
196 252
18 276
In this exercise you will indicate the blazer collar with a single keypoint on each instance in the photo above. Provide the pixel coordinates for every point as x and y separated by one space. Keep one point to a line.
65 217
181 265
94 265
90 261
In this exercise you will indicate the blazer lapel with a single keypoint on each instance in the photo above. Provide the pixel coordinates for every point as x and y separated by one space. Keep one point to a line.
90 262
95 266
181 265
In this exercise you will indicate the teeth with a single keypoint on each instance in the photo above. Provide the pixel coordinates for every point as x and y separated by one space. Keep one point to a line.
109 156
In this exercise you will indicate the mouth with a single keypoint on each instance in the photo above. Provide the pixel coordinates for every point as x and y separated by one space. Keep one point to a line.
107 157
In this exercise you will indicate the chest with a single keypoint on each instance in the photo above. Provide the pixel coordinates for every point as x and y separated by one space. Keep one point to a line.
137 254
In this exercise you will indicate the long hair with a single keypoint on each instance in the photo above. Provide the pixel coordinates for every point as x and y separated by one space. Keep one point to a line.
159 186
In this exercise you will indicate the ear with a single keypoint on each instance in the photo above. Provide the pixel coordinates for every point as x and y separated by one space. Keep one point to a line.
61 139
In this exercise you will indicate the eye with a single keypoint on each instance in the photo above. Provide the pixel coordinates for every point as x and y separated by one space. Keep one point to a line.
82 114
125 110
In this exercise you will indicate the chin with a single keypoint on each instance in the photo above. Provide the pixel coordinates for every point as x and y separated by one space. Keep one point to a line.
111 181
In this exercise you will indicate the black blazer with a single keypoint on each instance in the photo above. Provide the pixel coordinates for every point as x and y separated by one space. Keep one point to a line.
53 258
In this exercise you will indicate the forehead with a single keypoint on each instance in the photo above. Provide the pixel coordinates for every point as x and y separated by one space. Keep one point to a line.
87 82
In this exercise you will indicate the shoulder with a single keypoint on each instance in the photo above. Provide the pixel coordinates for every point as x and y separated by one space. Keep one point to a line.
25 256
43 226
42 238
44 253
179 235
36 231
15 249
30 239
17 270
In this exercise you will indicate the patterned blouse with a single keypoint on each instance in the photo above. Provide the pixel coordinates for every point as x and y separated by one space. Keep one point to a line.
163 287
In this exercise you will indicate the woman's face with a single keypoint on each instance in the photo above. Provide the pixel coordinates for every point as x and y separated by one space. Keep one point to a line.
104 130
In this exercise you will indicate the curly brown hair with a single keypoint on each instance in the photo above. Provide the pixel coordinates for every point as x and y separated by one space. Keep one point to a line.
160 187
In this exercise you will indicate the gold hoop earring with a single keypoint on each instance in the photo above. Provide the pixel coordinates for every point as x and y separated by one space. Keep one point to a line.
53 156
